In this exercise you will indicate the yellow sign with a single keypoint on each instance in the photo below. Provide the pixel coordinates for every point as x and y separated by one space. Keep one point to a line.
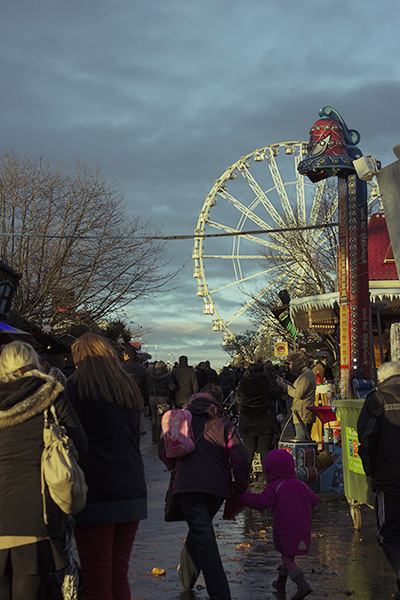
281 349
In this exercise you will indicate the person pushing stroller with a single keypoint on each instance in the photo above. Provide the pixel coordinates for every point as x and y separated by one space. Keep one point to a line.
291 502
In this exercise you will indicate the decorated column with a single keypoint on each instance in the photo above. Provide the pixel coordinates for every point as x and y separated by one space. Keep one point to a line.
330 153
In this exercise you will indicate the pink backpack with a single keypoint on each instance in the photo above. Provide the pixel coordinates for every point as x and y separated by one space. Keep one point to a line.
177 431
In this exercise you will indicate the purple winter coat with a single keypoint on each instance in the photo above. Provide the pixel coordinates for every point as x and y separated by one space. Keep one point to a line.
207 469
290 501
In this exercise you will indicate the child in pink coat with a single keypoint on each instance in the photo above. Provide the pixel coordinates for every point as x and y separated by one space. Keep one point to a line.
291 502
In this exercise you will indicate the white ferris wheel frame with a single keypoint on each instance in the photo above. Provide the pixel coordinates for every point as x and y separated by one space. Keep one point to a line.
296 149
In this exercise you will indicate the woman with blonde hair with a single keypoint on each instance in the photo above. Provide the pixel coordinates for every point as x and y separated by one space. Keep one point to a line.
29 547
108 403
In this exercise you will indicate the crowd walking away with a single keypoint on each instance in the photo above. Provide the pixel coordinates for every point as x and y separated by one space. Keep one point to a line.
102 402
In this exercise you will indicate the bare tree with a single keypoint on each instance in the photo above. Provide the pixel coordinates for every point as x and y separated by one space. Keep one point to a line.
308 259
303 261
249 345
307 256
69 235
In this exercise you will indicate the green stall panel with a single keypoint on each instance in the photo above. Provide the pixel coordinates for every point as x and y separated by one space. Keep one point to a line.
357 486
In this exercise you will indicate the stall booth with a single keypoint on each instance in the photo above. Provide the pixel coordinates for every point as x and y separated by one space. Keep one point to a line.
321 314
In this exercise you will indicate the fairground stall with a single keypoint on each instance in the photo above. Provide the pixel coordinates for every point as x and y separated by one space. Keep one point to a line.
358 315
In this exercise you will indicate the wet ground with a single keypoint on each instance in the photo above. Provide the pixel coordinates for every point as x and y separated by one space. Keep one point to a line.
343 563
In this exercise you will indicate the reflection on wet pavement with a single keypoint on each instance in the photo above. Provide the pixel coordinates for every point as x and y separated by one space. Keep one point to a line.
343 563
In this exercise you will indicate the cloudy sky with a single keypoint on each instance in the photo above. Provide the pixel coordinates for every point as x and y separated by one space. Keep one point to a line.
166 94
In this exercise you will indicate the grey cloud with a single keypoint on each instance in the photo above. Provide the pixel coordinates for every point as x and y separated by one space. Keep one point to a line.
166 97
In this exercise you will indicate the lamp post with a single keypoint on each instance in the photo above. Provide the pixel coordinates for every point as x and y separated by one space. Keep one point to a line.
156 349
6 290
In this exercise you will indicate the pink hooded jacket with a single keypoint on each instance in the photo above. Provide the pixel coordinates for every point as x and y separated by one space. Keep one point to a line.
290 501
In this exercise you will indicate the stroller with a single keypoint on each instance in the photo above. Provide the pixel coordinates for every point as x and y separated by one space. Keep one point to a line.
230 408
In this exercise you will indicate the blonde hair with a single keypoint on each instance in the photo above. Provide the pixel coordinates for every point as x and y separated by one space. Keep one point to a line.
160 365
99 368
18 359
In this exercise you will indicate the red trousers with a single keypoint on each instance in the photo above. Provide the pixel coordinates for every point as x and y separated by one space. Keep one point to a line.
104 552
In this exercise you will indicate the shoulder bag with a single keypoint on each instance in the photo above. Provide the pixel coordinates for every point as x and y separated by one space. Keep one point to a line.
60 471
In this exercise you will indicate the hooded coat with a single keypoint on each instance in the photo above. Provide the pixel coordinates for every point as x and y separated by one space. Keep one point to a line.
22 404
207 470
290 501
160 383
378 433
184 384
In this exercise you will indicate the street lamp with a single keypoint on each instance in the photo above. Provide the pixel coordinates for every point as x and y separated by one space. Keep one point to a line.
6 289
156 349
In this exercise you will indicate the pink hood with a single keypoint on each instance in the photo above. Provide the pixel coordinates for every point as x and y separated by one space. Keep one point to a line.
279 464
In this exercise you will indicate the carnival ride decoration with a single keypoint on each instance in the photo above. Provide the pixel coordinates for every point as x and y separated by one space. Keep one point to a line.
330 152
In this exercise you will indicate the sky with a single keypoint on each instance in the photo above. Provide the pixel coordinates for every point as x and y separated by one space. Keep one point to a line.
165 95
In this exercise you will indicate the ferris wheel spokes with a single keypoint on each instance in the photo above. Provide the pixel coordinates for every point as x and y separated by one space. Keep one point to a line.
252 194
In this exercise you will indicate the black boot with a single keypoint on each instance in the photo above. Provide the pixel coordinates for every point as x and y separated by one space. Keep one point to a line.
303 589
280 583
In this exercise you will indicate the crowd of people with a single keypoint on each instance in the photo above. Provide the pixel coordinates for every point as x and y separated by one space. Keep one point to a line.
102 404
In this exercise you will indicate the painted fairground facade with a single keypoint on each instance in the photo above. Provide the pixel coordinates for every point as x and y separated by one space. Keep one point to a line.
330 153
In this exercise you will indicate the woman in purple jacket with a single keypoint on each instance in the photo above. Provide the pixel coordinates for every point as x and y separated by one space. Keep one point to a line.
291 502
202 483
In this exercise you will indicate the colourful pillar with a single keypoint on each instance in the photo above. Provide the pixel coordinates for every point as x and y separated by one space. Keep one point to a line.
331 151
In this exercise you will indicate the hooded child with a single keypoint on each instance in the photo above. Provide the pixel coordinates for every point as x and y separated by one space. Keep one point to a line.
290 501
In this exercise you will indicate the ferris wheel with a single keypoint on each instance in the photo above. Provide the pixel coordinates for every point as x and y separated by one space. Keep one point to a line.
242 220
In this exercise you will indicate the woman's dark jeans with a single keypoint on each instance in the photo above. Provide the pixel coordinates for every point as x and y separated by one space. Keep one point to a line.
199 510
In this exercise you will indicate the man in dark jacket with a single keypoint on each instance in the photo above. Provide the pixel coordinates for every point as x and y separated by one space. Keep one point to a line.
185 381
201 374
257 421
378 429
141 376
227 380
212 375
